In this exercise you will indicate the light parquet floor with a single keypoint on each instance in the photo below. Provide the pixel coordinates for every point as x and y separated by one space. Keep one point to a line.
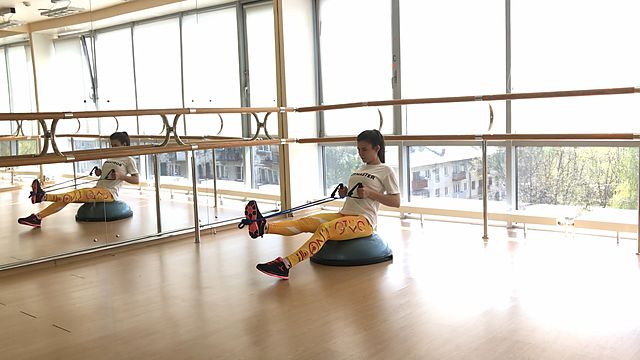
445 295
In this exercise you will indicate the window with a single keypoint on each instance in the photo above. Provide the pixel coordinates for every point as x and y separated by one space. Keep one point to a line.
465 186
211 75
437 192
584 178
116 90
158 79
431 28
70 67
262 61
356 62
446 191
473 185
558 57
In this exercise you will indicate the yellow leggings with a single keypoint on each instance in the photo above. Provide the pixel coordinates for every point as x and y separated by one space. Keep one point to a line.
76 196
328 226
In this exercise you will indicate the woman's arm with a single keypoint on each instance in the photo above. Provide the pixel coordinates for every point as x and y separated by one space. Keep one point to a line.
392 200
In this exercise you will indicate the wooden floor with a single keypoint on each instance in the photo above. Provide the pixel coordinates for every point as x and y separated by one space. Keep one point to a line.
60 233
444 296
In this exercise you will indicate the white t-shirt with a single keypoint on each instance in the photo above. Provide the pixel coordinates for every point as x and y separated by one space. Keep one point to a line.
124 165
379 178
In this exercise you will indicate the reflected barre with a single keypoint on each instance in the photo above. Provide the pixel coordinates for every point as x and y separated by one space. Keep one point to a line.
49 135
97 154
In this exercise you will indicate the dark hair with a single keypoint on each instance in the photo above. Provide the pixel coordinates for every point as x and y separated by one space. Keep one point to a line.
121 136
375 138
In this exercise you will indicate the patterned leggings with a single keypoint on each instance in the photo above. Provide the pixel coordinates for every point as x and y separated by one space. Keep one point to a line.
88 195
328 226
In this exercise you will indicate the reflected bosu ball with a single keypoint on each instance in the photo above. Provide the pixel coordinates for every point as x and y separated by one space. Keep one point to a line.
362 251
104 211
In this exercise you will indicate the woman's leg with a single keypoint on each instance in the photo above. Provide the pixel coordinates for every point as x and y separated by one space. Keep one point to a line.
306 224
86 195
341 228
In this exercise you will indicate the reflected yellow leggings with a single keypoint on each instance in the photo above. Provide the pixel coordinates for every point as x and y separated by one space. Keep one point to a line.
328 226
76 196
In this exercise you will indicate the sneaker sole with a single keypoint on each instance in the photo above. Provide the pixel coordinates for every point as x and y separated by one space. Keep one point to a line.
251 212
34 191
274 275
29 224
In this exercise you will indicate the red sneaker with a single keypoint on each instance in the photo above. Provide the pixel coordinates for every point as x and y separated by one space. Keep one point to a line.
31 220
251 213
37 194
275 268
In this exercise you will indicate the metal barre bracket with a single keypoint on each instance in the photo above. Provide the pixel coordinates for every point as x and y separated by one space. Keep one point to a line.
260 125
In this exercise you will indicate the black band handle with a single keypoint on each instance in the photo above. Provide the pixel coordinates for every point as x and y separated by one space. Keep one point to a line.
354 188
340 186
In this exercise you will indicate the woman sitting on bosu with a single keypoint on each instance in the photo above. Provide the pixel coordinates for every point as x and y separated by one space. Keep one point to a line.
356 219
115 172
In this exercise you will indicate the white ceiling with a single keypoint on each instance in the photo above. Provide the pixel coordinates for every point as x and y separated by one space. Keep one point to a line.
31 13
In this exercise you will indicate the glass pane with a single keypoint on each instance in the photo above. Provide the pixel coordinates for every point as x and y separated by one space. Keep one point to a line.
4 88
5 106
584 178
266 171
451 177
211 75
158 78
70 71
20 79
114 58
431 28
356 62
568 53
341 161
262 61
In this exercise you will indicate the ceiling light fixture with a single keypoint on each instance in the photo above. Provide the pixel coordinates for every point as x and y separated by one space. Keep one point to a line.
10 23
62 11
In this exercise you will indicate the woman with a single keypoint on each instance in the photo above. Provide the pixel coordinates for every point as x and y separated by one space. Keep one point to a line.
117 171
356 219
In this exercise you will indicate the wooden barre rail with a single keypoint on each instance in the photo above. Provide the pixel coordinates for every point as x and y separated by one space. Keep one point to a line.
457 99
96 154
250 110
487 137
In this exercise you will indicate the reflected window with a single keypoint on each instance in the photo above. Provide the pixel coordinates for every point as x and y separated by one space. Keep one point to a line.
211 75
229 164
266 167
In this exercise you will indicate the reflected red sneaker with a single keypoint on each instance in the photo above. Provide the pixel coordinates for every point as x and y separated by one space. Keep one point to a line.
37 194
251 213
275 268
31 220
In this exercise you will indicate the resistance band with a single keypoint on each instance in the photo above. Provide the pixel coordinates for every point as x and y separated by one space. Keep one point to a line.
332 197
